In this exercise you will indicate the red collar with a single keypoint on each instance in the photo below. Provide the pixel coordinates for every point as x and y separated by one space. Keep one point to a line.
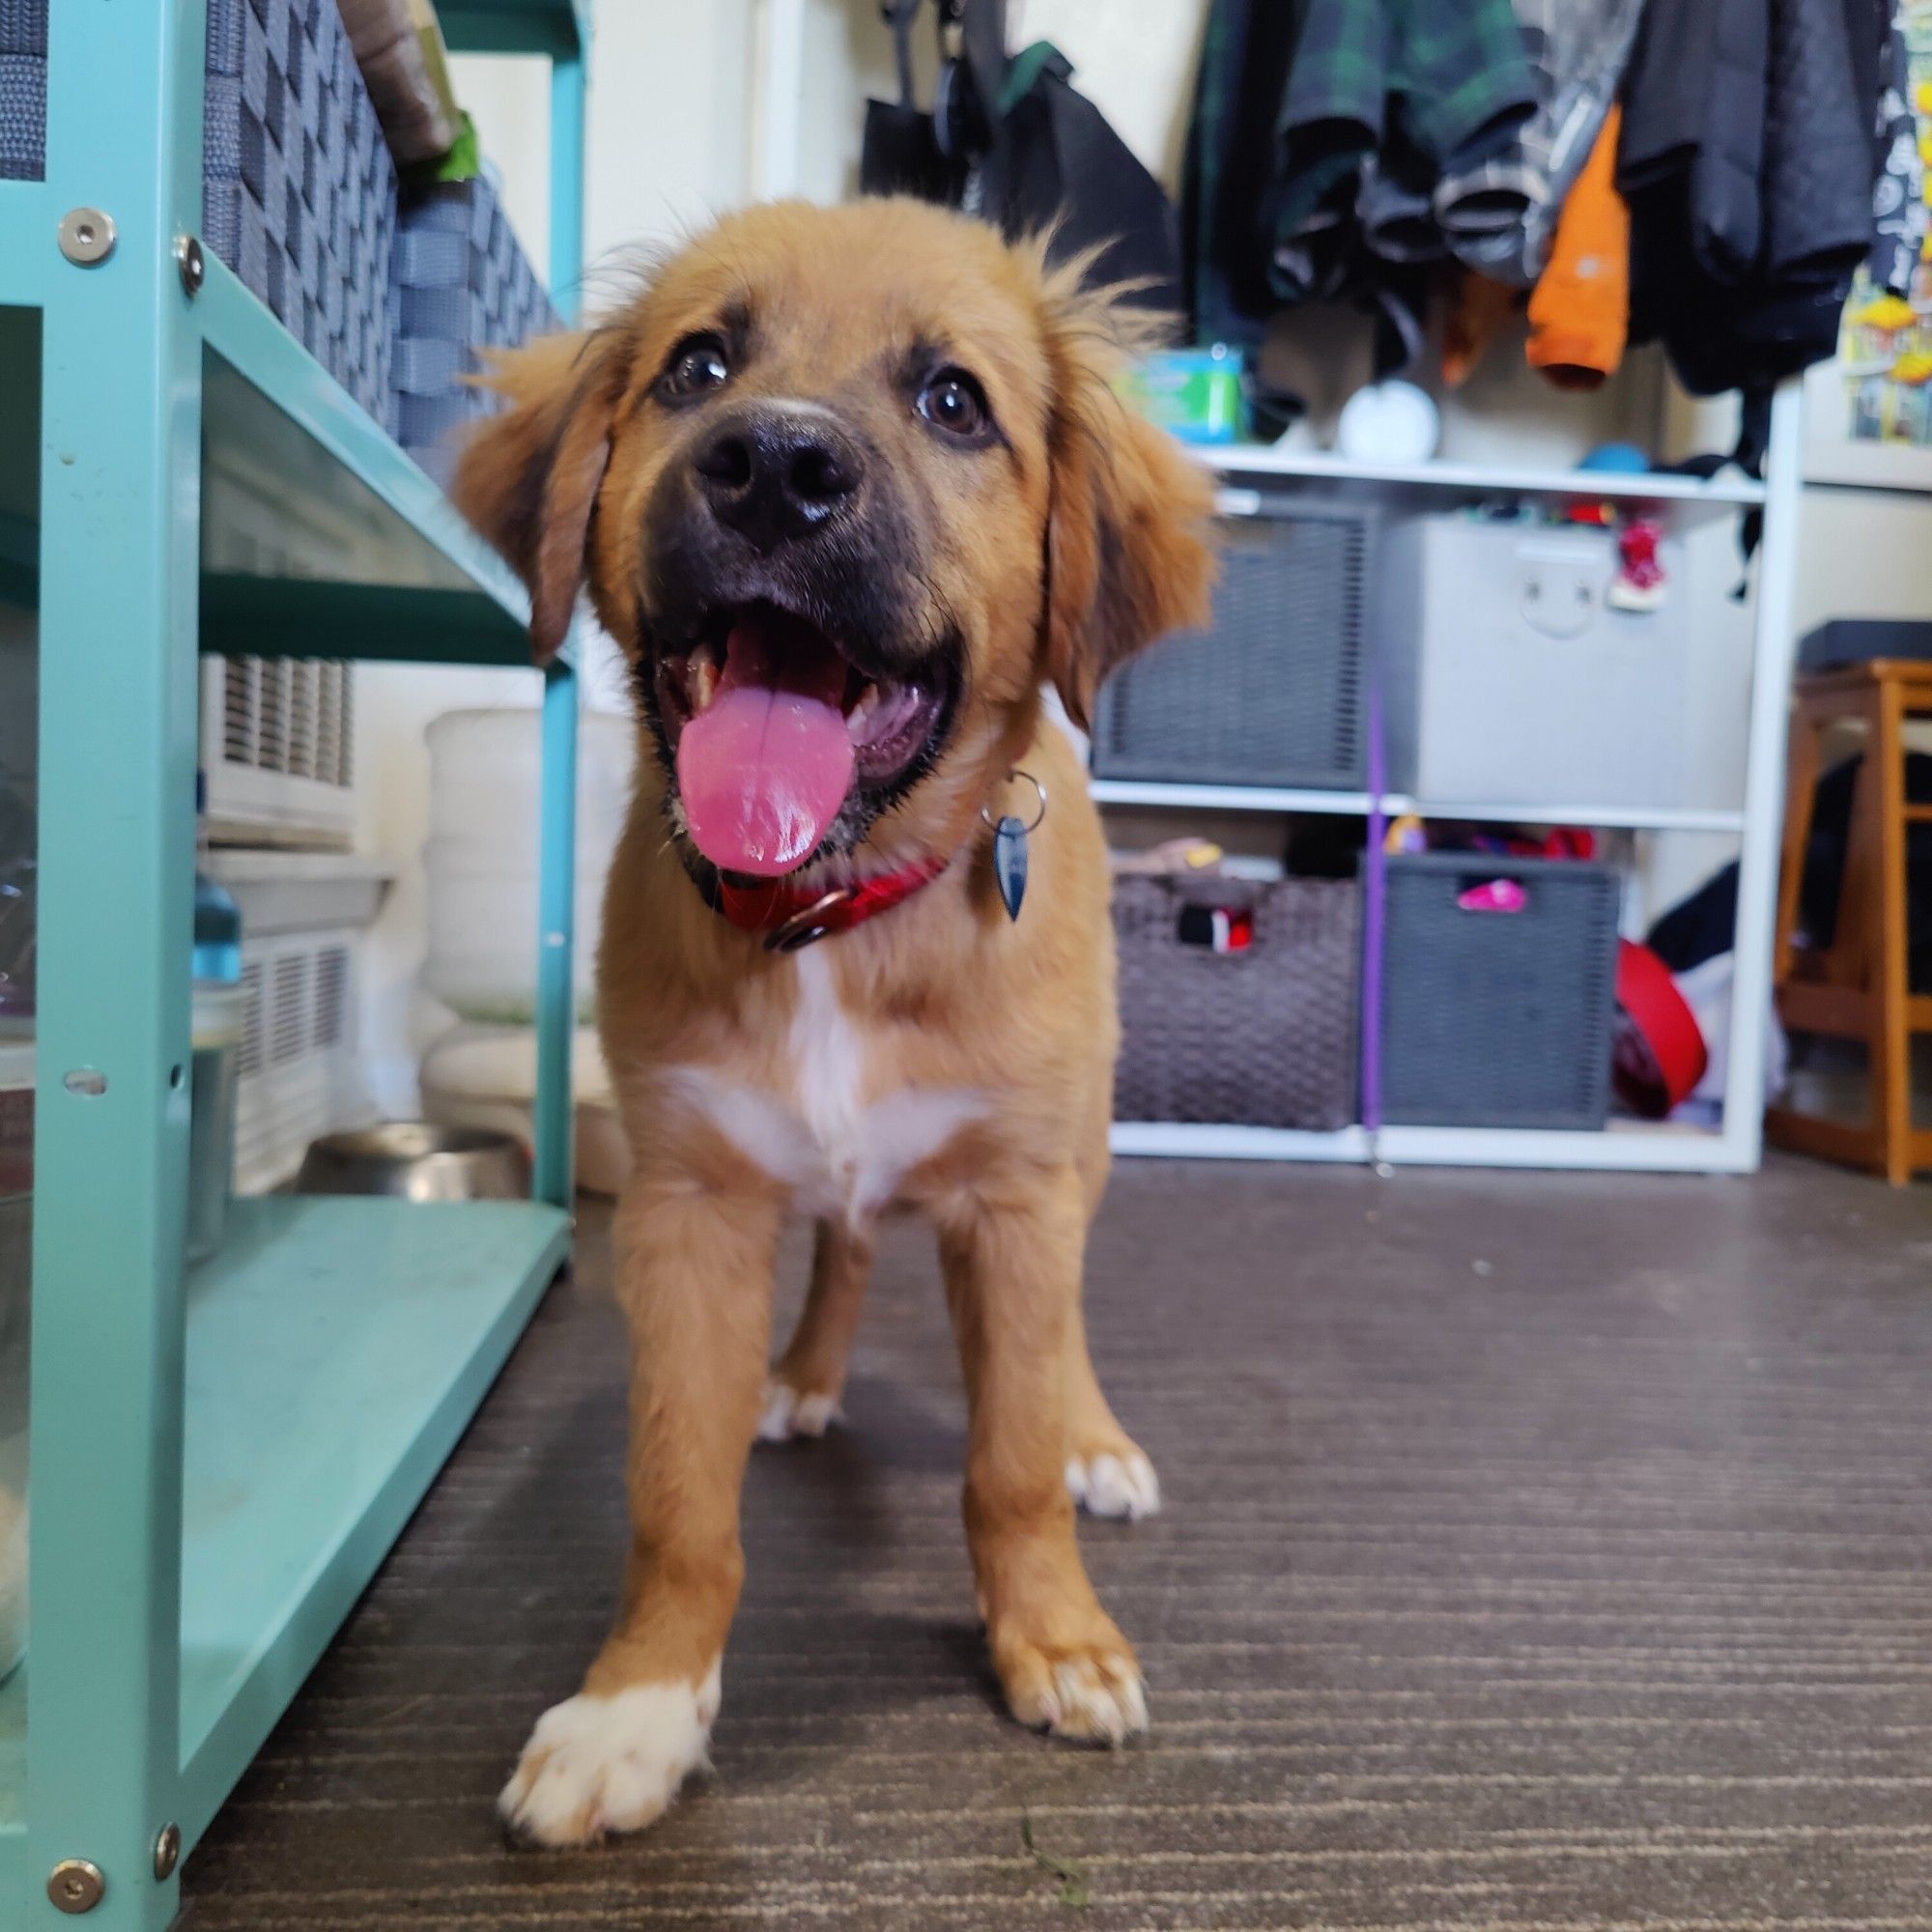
790 916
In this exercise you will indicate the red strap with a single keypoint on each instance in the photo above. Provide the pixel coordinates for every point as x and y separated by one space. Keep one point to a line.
792 915
1661 1066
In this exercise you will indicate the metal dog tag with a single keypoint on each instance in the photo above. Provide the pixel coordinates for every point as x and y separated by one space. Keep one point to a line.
1009 861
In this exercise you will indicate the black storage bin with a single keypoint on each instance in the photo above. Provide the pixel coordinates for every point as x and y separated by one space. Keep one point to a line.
1271 692
1265 1036
1497 1019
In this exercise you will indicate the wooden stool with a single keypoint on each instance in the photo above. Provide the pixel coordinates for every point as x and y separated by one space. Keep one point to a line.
1857 988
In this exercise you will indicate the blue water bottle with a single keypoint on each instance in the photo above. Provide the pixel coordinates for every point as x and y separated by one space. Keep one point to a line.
218 1047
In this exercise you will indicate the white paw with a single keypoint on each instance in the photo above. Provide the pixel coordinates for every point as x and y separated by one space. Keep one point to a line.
787 1413
597 1765
1114 1485
1100 1702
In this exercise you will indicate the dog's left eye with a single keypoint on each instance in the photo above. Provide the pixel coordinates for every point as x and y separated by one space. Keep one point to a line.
696 364
953 401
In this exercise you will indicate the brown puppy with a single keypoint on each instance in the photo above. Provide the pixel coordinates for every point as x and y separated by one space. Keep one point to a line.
850 486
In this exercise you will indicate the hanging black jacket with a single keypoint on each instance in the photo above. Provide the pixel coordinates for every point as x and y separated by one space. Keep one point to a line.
1747 161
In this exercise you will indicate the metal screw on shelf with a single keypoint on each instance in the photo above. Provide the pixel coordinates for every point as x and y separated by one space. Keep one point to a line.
167 1851
86 236
193 268
76 1885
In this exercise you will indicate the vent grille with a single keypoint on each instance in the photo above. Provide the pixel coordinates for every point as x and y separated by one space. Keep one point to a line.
299 1073
289 1014
287 717
331 996
241 698
271 719
251 1060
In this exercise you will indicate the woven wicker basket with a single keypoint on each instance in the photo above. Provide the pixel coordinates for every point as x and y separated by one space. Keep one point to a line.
1265 1036
463 284
298 192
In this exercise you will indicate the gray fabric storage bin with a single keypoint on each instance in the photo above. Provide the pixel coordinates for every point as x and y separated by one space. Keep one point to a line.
1264 1038
1272 692
298 192
1497 1019
461 284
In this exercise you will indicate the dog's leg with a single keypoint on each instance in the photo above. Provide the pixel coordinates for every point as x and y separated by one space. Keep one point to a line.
1012 1280
694 1274
1107 1472
801 1397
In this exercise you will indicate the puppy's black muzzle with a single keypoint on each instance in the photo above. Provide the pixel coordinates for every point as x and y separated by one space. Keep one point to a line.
775 474
781 504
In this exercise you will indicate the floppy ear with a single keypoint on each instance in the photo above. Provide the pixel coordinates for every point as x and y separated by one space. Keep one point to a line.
528 477
1127 558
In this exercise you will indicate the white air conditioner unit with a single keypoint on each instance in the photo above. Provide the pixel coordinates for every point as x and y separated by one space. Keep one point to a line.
304 918
277 743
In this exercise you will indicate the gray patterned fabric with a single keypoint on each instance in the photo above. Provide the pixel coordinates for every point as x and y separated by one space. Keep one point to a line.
1540 1550
461 285
1898 190
1500 215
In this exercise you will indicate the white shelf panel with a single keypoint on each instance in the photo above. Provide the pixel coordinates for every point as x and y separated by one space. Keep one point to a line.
1639 1146
1604 817
1198 1141
1628 1145
1354 804
1466 479
1226 798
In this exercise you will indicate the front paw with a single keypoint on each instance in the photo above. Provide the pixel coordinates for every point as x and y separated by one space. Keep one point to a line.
792 1411
598 1765
1112 1480
1089 1690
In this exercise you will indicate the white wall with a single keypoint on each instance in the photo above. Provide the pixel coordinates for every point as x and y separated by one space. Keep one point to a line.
666 149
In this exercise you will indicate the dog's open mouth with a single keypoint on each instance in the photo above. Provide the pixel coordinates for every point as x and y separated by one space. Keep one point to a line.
771 728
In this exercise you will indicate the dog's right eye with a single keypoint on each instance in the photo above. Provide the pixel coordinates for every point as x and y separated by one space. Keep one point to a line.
696 364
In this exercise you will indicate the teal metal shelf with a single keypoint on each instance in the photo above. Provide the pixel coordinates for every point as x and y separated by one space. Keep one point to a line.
366 558
559 28
374 561
335 1350
220 1459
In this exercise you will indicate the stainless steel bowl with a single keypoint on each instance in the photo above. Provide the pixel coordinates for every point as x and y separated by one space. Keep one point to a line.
418 1161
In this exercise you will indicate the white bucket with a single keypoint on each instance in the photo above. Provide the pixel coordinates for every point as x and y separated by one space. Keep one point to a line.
481 857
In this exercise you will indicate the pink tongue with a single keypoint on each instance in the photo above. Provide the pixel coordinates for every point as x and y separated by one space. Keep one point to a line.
764 768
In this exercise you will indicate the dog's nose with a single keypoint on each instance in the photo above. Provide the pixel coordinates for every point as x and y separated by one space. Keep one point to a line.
774 475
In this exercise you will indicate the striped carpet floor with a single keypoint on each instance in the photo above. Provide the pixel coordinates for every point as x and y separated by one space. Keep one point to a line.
1539 1553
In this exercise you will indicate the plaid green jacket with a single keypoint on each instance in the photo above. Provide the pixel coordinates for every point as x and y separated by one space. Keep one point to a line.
1440 78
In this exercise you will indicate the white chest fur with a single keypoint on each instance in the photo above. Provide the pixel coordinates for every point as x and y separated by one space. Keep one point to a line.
841 1154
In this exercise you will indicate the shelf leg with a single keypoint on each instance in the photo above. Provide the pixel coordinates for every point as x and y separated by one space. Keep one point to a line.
120 552
1773 646
557 890
567 185
556 916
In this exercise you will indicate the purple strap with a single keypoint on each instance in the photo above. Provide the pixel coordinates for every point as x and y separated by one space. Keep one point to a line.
1375 874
